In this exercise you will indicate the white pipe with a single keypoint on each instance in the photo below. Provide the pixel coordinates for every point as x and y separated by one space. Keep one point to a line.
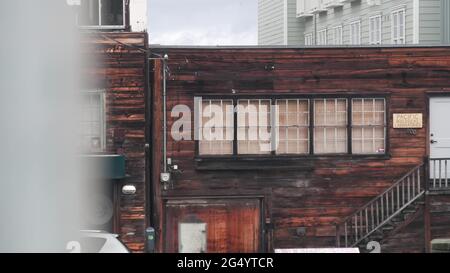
166 57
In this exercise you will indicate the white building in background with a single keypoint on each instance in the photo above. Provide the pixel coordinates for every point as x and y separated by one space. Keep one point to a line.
353 22
119 15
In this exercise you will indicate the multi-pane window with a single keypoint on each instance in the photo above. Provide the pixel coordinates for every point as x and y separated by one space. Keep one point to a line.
355 33
330 126
292 127
309 39
398 26
216 127
102 13
337 35
92 122
375 30
368 126
322 37
254 125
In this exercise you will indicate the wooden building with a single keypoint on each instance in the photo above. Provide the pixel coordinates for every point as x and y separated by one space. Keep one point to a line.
114 116
355 130
116 89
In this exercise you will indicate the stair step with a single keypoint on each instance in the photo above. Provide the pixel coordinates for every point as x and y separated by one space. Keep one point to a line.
388 228
377 237
397 220
409 211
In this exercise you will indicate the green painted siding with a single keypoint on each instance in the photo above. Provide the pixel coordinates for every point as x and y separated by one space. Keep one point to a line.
433 24
445 21
360 10
430 21
295 26
271 22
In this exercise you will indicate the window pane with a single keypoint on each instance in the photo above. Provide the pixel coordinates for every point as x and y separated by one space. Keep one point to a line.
89 13
330 140
112 13
293 126
92 123
254 126
330 122
369 122
216 128
380 147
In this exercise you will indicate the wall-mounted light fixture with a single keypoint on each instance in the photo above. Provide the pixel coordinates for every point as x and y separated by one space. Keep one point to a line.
129 189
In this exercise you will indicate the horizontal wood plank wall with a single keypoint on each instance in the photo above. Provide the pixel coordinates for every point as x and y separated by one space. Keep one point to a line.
336 186
119 66
411 238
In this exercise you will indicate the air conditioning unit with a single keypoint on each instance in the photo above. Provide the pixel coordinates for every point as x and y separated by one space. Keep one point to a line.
373 2
332 4
304 15
319 7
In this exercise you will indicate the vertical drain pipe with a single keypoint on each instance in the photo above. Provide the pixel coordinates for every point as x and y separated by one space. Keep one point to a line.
164 95
166 57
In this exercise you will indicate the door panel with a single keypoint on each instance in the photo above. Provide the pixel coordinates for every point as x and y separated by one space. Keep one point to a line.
440 127
439 135
232 225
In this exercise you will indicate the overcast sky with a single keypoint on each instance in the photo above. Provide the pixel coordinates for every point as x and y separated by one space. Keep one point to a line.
203 22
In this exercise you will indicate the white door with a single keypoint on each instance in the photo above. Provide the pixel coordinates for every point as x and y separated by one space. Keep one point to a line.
440 138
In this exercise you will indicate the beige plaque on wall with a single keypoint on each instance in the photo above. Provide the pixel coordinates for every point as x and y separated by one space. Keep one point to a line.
408 121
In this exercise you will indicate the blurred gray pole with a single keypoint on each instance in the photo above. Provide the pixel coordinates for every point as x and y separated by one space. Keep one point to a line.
39 175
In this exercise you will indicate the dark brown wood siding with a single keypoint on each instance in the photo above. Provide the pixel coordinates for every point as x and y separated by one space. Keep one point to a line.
117 63
311 194
233 225
411 238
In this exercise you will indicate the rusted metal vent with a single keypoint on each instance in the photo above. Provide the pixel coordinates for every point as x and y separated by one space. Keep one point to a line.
440 246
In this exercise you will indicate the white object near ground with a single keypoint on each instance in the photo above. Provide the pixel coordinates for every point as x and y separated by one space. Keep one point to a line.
317 250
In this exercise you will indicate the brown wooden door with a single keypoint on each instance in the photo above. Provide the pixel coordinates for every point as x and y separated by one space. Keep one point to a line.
231 225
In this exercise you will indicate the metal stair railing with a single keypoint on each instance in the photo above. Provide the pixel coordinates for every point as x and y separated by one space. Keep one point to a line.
439 174
378 212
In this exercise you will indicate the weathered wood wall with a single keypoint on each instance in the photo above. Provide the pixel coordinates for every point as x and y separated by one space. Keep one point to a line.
117 63
328 188
411 238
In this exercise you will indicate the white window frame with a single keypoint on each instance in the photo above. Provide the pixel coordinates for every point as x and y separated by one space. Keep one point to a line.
102 97
322 37
100 26
396 28
372 127
375 30
248 128
225 127
298 126
326 126
353 40
309 39
338 39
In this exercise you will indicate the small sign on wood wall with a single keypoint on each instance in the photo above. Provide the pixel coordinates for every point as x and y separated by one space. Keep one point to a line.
408 121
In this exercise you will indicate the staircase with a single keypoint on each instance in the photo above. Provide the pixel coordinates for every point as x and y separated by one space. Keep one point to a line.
388 213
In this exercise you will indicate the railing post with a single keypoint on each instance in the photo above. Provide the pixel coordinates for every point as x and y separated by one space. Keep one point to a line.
384 207
426 211
338 235
426 174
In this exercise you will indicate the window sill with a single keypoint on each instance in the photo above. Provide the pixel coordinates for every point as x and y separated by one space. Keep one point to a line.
121 27
300 163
